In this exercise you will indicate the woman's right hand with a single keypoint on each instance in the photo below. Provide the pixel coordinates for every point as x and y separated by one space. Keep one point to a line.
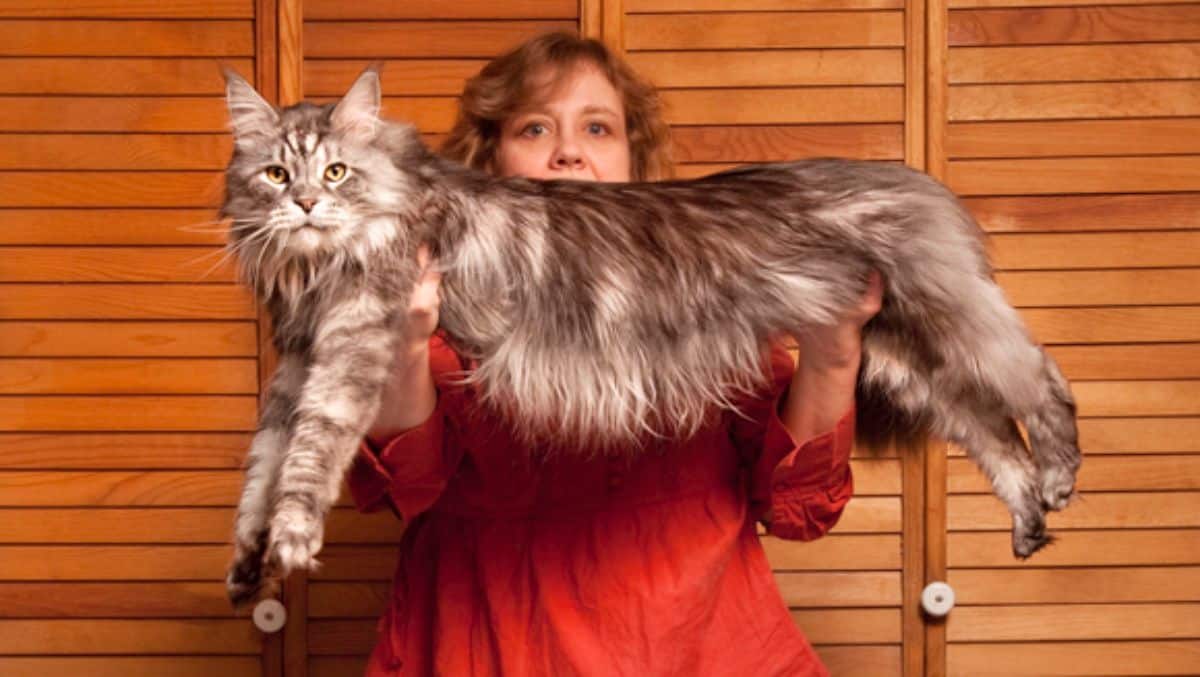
424 304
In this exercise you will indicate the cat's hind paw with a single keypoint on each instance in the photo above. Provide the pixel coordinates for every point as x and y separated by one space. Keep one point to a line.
295 539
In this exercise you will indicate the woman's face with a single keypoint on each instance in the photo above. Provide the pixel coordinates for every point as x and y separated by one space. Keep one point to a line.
575 131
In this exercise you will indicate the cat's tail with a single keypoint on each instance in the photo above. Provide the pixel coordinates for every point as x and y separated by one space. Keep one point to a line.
1054 438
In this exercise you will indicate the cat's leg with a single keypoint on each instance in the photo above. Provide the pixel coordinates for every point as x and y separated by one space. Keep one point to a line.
245 576
1054 438
351 358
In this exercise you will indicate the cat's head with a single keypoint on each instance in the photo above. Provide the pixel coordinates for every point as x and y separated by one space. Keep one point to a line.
309 180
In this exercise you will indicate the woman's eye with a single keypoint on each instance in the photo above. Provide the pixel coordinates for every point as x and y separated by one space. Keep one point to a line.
276 174
335 172
597 129
534 129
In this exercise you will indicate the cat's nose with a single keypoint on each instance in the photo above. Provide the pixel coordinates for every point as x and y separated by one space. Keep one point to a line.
306 203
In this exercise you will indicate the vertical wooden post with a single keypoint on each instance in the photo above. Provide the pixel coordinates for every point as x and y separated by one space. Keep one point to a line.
602 20
912 650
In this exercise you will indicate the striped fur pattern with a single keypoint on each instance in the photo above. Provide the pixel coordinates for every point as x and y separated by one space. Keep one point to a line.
604 314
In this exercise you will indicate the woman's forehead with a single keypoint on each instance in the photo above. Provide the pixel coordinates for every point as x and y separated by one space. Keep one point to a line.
581 85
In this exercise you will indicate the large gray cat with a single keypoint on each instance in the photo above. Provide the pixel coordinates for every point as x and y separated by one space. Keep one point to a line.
602 313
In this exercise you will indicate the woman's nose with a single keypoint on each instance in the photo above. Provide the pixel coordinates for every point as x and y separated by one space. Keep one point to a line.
567 155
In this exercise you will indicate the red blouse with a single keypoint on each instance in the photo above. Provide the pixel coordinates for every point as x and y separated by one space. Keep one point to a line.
535 562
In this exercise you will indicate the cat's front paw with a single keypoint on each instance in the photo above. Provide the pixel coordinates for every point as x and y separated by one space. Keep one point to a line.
247 577
1058 486
295 538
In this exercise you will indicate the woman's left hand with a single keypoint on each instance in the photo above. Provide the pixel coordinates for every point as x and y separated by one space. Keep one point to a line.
839 346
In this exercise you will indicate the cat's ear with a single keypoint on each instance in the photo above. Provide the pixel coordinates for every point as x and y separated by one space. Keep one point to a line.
251 116
357 114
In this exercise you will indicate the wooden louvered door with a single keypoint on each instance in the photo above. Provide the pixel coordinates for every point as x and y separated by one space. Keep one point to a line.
1073 131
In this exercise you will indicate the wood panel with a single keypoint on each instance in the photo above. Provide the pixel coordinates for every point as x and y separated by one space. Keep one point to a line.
734 30
1159 136
1121 287
1161 249
651 6
1073 100
127 339
327 10
1075 63
113 600
116 264
387 39
125 302
110 76
1075 585
1097 510
1161 211
1105 473
1076 622
65 226
774 68
774 143
110 636
783 106
117 563
117 151
138 9
1126 22
127 666
126 38
111 114
1159 657
1114 325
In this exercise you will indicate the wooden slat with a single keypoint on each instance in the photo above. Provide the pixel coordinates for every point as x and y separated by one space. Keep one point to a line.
1163 361
1074 137
1046 25
113 600
648 6
36 488
1137 398
347 600
128 412
118 562
878 661
1073 100
112 114
784 106
870 514
126 302
175 9
169 525
1095 250
1171 435
1096 510
131 666
126 38
955 4
336 666
116 264
739 30
1114 325
429 114
133 77
1114 547
840 589
115 151
436 9
775 68
1101 473
127 339
1073 658
771 143
111 226
358 562
408 77
1075 621
393 39
1132 174
111 189
1088 212
1167 286
163 376
92 636
114 451
1074 63
1075 585
849 626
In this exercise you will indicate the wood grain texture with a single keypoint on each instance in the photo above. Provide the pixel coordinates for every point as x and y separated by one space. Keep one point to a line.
394 39
1160 472
1114 325
127 339
1163 249
955 4
126 302
126 38
411 77
114 600
63 563
114 451
108 636
740 30
1161 657
138 9
66 226
771 68
1064 25
1159 211
326 10
115 488
784 106
1131 435
116 264
1074 63
1137 398
111 189
1088 100
1098 510
1075 585
780 143
115 376
1115 547
1162 361
650 6
131 666
112 76
112 114
1166 136
1127 287
127 412
1075 621
115 151
1131 174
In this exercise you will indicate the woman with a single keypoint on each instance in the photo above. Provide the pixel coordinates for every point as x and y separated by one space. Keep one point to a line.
541 561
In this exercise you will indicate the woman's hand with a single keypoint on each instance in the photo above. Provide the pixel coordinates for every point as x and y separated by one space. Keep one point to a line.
840 345
424 304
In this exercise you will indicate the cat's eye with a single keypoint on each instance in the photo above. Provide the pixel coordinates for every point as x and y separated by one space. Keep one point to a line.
335 172
276 174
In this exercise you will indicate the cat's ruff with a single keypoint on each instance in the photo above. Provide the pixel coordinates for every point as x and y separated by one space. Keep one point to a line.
602 313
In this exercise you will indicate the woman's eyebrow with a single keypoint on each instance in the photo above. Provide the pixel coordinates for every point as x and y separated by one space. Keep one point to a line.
595 108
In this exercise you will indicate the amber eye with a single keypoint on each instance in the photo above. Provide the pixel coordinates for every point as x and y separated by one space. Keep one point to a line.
335 172
276 174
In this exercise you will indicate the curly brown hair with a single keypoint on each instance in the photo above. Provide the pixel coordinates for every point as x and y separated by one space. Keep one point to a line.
505 85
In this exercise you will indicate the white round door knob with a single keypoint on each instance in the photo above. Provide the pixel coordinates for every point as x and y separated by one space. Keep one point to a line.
269 615
937 599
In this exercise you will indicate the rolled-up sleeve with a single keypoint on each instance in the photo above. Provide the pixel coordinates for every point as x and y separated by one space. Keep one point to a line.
409 471
806 485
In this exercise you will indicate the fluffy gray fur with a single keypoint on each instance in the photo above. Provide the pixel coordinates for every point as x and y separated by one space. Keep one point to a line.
600 314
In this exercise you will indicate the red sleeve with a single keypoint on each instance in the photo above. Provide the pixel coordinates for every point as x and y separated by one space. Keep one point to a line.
807 485
410 470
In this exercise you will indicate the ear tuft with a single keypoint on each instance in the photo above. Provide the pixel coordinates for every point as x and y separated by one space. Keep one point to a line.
357 114
251 117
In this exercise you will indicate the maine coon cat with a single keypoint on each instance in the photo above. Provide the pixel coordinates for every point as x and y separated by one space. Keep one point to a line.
600 314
